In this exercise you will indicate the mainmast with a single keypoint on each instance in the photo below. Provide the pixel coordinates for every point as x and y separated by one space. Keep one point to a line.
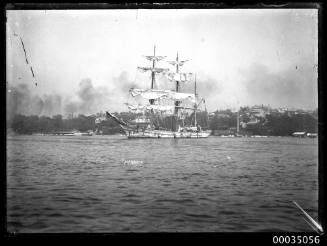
177 103
153 75
177 77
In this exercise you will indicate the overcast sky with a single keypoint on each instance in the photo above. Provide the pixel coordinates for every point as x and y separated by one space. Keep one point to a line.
241 57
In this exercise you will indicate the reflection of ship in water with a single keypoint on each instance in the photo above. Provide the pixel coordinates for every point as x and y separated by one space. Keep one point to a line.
157 105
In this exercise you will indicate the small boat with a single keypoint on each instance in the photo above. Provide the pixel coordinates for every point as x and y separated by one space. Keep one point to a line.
312 135
299 134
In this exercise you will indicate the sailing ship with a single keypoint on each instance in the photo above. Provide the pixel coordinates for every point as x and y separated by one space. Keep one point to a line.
157 104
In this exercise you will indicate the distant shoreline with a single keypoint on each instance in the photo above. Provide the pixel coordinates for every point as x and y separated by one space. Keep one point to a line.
119 134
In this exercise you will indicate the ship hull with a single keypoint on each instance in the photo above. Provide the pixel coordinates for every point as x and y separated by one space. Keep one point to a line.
164 134
135 132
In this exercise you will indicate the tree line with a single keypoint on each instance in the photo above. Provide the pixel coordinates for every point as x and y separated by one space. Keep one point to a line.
279 125
23 124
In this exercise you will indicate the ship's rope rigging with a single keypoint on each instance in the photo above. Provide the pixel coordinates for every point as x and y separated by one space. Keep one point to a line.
160 103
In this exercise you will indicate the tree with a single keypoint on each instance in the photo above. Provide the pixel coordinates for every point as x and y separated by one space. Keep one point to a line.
18 124
45 124
57 122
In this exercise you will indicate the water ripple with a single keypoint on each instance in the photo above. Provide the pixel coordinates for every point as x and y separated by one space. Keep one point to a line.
75 184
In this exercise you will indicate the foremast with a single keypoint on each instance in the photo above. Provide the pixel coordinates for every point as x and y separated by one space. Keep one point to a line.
154 70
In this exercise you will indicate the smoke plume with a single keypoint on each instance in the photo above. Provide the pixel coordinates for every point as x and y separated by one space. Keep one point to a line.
87 100
20 100
293 87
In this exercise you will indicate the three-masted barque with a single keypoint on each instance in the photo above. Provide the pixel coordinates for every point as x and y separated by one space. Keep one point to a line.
157 104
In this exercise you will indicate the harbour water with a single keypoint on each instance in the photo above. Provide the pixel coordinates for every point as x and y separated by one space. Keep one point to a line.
112 184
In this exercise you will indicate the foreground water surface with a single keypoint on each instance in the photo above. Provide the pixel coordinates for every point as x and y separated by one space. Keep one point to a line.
112 184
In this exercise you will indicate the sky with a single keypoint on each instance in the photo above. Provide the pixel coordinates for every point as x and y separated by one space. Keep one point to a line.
85 61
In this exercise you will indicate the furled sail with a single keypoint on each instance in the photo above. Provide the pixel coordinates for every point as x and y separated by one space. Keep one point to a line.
156 58
135 107
155 94
179 63
148 93
181 96
167 109
183 77
153 69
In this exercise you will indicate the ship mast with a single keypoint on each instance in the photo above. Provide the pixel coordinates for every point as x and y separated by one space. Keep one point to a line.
154 69
177 77
177 103
238 122
177 71
195 105
153 75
